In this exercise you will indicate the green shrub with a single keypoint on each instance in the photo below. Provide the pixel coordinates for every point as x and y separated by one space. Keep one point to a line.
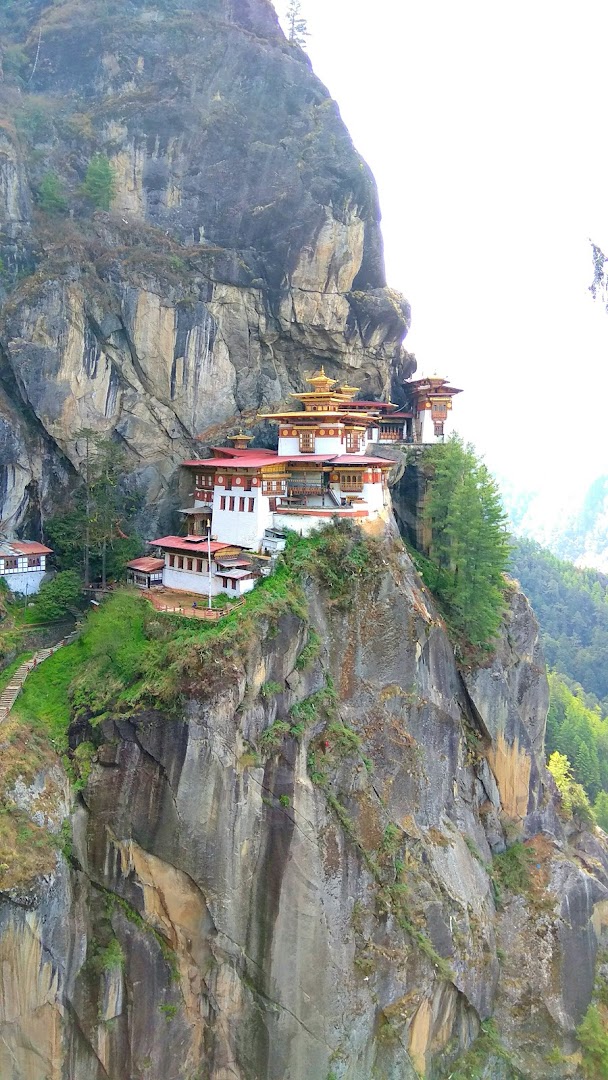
272 737
575 801
99 183
270 689
57 596
592 1034
15 60
51 194
310 651
511 869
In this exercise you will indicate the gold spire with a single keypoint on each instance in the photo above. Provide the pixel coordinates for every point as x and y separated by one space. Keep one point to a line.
321 382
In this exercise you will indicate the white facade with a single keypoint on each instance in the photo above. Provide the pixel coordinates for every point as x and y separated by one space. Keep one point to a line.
427 428
184 580
376 497
240 517
328 444
289 446
22 578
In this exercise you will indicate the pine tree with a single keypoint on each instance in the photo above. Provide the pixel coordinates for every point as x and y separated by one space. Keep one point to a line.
601 810
469 546
296 24
99 183
51 194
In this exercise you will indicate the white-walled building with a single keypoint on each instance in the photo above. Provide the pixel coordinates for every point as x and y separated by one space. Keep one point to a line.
244 498
23 565
195 564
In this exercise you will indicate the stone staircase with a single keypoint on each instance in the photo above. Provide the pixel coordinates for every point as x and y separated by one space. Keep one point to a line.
11 692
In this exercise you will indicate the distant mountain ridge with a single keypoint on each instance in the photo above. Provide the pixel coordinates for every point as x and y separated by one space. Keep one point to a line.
576 530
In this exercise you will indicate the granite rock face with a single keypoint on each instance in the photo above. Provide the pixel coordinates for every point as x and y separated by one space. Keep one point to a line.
242 249
271 926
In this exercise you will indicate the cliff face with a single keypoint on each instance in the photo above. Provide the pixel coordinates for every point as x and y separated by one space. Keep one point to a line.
318 903
242 250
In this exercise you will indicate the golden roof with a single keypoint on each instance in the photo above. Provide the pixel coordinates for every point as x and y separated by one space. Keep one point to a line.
321 381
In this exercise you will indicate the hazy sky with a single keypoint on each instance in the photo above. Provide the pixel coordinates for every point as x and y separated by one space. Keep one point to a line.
484 124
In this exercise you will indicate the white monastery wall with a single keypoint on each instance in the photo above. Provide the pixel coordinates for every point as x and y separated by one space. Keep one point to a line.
243 528
289 446
190 581
329 445
375 496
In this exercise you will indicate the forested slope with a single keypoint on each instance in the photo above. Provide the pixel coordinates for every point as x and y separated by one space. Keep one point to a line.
572 608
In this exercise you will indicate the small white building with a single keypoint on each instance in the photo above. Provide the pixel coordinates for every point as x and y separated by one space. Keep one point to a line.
23 565
186 566
146 573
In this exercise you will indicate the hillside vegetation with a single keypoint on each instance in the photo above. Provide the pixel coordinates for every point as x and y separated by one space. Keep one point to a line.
572 608
468 548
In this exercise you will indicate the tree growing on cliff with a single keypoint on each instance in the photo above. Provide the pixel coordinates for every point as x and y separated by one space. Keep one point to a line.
93 536
99 183
51 194
297 27
469 545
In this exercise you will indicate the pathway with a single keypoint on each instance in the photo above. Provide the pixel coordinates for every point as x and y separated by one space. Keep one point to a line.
11 692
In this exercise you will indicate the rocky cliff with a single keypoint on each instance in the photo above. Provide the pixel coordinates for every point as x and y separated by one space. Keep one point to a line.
242 248
300 872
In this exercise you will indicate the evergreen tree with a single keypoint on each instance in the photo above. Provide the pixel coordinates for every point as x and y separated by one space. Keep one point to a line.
99 183
469 545
296 24
92 537
51 194
601 810
57 596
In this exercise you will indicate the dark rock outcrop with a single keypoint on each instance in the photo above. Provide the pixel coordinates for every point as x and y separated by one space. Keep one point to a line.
243 248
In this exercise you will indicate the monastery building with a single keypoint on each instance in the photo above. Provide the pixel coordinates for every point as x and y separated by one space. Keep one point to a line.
245 498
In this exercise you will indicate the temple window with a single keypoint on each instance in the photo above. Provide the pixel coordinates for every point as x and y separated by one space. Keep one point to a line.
251 505
222 502
241 505
232 502
307 442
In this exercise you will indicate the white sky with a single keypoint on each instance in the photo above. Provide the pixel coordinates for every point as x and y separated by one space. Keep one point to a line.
484 124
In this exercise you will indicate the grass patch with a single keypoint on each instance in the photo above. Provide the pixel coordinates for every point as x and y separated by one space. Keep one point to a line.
511 870
270 689
310 651
44 702
7 673
488 1046
130 656
26 850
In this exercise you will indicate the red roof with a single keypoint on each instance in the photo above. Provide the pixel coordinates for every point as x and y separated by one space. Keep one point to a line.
255 459
30 547
181 543
249 459
146 565
360 459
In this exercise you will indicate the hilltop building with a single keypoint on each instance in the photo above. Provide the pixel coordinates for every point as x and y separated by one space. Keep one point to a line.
244 498
426 419
23 565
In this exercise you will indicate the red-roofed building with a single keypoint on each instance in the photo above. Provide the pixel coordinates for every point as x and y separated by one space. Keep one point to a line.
23 565
146 573
244 497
